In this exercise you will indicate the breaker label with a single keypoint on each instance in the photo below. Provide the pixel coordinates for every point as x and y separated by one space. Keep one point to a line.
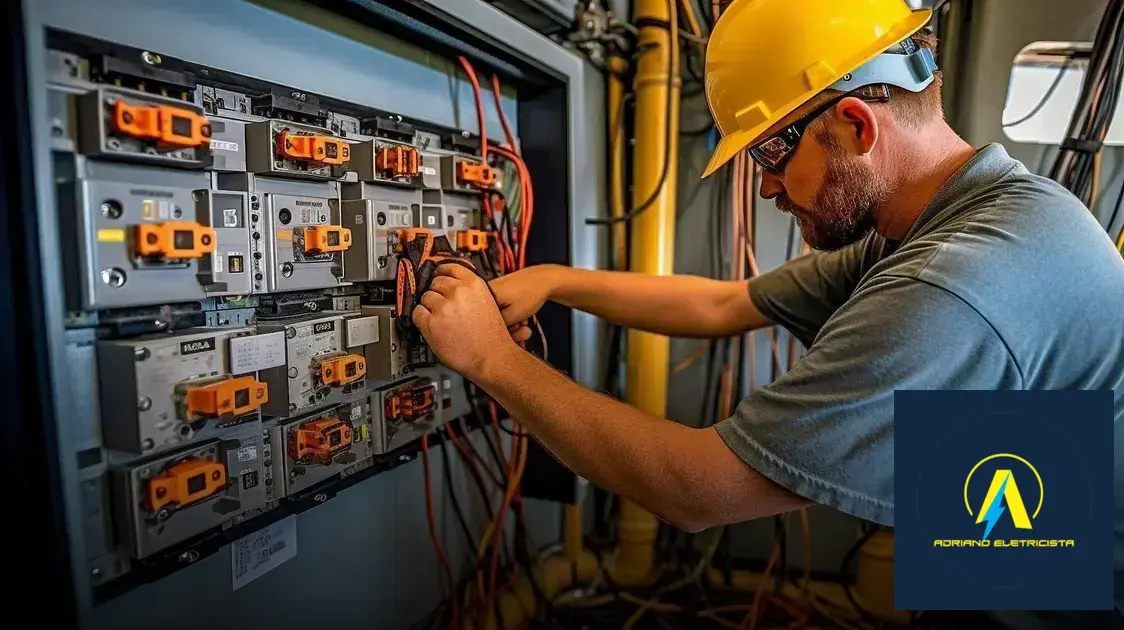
222 145
323 327
429 170
197 346
259 553
246 453
230 217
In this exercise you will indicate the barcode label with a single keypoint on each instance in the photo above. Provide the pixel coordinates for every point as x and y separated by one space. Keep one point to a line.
266 549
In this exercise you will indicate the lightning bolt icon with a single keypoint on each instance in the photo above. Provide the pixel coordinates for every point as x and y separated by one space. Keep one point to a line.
995 510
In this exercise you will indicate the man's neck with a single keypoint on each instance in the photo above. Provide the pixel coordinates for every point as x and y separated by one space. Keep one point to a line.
919 166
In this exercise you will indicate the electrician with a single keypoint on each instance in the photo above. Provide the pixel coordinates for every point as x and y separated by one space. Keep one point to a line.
937 266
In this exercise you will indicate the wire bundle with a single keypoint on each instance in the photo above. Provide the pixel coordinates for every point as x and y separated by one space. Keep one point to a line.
1078 161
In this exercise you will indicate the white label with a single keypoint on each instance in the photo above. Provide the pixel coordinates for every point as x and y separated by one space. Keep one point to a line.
447 384
230 217
429 170
262 551
362 331
257 352
222 145
246 453
218 263
356 413
431 220
358 219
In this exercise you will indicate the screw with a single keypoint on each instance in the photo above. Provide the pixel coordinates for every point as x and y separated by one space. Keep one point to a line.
382 262
144 404
140 354
111 209
150 58
96 572
145 473
465 134
403 458
113 144
278 164
188 557
177 213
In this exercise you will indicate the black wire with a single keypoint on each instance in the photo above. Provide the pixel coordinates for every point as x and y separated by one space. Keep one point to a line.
845 580
781 539
1115 208
657 192
1045 97
453 495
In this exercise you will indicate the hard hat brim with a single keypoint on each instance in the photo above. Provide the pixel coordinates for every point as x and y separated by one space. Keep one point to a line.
729 146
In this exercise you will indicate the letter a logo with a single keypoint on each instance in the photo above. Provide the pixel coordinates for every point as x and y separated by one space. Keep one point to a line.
1003 489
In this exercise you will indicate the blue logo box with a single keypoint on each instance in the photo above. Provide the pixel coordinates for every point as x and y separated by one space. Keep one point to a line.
1003 500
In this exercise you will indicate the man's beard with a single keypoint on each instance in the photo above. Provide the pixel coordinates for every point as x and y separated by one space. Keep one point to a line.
843 209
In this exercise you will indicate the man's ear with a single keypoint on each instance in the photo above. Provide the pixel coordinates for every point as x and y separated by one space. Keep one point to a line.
860 125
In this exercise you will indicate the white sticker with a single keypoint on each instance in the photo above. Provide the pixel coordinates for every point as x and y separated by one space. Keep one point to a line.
246 453
431 220
230 217
356 413
358 219
362 331
222 145
429 170
218 263
262 551
257 352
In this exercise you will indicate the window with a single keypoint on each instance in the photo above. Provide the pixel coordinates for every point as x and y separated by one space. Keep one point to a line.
1045 83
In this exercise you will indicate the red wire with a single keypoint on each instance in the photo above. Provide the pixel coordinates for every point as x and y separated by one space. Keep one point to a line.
433 532
503 117
480 126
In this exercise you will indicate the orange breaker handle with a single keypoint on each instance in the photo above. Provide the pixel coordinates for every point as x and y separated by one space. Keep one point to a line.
326 239
180 240
187 482
398 161
232 397
319 149
165 124
472 240
321 438
342 370
472 174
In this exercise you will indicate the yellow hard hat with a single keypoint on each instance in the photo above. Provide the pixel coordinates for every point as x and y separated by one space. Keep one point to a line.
768 57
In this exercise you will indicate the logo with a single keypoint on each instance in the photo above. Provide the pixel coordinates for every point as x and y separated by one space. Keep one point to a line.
195 347
1004 500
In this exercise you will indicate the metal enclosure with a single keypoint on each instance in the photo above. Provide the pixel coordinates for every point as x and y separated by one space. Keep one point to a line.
557 114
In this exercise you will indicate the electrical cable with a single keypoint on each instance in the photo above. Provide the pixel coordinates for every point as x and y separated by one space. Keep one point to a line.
845 567
1045 97
445 465
437 546
668 128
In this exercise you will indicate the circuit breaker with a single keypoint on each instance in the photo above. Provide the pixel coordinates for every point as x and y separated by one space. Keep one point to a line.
373 213
148 234
393 356
295 233
407 410
130 125
320 370
289 149
165 390
167 499
309 449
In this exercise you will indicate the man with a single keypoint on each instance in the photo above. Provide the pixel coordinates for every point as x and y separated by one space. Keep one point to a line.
938 267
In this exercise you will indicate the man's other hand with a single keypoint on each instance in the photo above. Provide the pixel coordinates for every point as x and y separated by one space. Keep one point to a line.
521 294
459 319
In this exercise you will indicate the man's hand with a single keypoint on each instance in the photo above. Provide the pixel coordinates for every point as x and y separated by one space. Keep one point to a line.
459 319
521 294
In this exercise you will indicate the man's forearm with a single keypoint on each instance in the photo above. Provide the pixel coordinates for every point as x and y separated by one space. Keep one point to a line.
676 306
684 475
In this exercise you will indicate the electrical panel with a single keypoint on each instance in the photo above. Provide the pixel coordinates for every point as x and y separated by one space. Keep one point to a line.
241 261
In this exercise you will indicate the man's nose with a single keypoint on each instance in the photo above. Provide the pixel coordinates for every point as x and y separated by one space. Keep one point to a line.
771 185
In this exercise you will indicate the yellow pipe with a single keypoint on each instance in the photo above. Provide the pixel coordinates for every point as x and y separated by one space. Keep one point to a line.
617 67
653 240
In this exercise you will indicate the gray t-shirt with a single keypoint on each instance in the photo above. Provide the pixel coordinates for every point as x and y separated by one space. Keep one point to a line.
1006 281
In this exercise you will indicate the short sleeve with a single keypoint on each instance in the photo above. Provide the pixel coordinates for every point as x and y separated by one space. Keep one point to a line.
804 293
825 429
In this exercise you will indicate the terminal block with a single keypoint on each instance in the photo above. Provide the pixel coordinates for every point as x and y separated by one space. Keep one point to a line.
142 127
322 239
283 148
150 235
166 499
319 440
318 371
337 371
310 449
226 398
173 240
398 162
463 174
161 391
406 411
383 161
475 175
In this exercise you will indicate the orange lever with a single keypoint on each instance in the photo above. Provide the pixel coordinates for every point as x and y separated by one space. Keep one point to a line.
163 123
472 174
321 149
319 440
185 483
472 240
341 370
233 397
411 402
174 239
326 239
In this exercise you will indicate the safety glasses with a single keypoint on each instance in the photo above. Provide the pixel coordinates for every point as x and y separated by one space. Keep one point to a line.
773 152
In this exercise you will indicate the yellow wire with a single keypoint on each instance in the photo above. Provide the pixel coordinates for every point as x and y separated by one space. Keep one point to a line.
689 9
1120 242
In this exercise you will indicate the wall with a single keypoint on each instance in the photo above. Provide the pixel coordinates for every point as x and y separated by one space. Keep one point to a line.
365 557
1000 29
